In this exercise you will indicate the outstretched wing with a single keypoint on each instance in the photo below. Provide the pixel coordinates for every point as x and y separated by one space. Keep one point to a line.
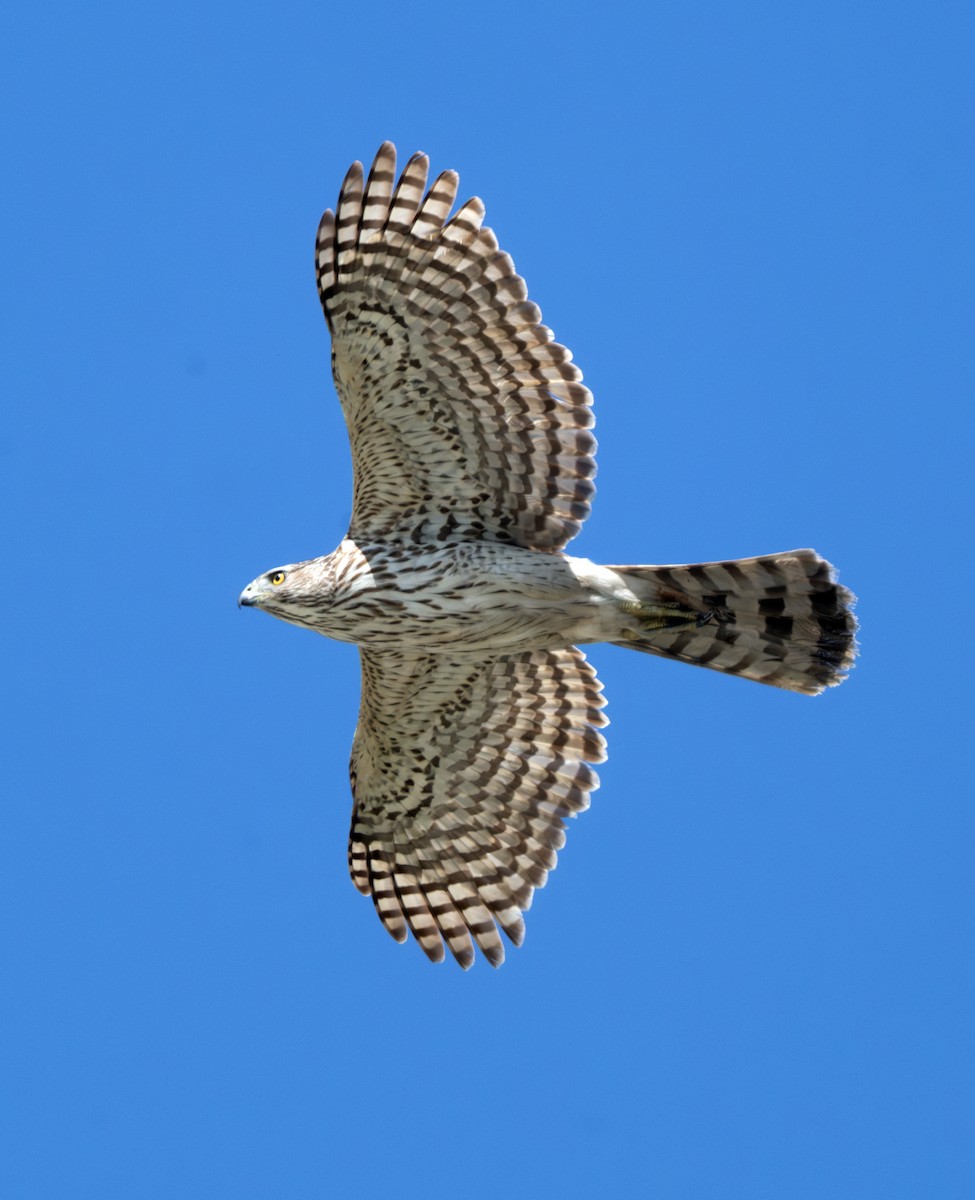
463 414
462 774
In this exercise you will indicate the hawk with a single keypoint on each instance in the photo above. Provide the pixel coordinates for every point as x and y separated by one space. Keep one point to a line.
473 456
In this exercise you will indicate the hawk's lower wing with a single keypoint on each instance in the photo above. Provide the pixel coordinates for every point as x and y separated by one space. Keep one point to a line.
462 774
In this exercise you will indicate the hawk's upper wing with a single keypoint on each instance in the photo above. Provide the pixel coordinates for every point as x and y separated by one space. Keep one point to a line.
462 412
462 774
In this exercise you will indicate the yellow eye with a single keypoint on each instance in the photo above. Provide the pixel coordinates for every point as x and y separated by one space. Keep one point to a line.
277 578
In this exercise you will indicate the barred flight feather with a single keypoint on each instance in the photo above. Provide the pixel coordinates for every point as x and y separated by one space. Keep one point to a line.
435 349
462 784
780 619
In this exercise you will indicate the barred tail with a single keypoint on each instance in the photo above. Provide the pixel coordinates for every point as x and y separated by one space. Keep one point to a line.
780 619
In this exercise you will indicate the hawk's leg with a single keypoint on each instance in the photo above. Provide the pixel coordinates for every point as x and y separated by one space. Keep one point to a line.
663 616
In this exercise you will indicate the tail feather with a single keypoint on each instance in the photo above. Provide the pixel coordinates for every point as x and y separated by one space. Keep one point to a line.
780 619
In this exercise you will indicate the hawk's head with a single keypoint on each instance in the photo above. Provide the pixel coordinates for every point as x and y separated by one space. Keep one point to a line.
299 592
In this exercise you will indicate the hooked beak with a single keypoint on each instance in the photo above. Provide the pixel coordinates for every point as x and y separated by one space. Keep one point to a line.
248 597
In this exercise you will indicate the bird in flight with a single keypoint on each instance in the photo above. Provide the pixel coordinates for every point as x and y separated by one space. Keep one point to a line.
473 458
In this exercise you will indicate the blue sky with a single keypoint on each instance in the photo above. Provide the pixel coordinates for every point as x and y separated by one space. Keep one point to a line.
751 974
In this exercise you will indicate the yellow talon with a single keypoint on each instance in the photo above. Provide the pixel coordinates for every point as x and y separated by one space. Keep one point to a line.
662 616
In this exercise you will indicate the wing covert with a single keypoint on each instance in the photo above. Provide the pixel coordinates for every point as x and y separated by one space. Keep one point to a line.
463 413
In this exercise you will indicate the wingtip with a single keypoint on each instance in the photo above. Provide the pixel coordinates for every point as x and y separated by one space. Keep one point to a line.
464 959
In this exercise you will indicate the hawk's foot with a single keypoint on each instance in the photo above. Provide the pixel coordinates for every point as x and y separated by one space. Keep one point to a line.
664 616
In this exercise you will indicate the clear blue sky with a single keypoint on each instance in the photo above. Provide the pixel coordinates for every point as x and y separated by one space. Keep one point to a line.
751 975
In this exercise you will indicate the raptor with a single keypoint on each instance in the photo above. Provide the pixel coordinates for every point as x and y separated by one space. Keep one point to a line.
473 456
